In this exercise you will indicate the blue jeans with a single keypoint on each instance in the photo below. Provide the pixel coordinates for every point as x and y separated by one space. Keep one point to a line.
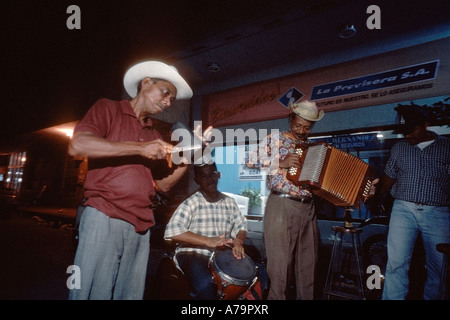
112 259
407 220
195 268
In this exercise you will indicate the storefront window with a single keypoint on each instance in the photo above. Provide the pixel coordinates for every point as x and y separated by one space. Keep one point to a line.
14 175
236 178
371 147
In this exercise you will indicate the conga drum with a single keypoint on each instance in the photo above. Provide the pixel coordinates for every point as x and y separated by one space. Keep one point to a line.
232 276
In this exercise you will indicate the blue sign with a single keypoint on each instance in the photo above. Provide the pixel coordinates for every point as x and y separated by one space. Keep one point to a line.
357 141
292 96
410 74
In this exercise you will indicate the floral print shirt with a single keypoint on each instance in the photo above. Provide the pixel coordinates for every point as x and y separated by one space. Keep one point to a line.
273 148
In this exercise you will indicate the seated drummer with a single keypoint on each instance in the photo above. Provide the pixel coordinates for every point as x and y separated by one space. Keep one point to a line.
205 221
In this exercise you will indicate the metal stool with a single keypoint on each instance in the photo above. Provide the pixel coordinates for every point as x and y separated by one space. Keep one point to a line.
340 288
444 248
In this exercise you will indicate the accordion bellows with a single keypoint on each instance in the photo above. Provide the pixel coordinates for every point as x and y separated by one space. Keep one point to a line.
332 174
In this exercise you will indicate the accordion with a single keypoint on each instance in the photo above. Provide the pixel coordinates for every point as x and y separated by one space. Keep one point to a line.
332 174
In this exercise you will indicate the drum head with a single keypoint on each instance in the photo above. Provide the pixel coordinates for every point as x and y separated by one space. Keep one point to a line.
241 271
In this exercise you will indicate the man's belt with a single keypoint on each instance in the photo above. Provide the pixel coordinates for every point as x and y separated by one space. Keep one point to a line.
298 199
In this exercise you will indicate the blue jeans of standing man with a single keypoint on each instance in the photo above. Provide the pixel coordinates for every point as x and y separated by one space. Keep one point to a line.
112 258
407 220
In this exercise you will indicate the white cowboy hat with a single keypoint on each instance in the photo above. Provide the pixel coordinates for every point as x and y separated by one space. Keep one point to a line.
307 110
155 69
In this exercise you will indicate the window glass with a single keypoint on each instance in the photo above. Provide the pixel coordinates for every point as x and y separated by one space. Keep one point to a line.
371 147
14 175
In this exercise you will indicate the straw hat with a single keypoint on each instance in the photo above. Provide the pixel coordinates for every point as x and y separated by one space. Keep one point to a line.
155 69
307 110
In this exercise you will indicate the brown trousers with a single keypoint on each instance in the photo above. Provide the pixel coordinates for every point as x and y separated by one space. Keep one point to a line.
291 238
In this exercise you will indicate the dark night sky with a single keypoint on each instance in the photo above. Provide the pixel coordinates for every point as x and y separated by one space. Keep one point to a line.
52 75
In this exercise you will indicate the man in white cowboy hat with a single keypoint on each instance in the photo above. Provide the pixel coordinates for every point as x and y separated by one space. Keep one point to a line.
120 142
290 225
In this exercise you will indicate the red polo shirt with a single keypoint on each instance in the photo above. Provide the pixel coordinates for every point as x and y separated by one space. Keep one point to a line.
120 187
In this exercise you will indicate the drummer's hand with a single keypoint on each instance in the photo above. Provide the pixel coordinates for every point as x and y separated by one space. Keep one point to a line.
238 249
217 242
